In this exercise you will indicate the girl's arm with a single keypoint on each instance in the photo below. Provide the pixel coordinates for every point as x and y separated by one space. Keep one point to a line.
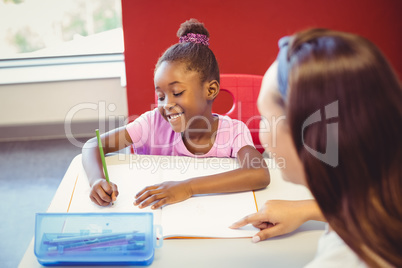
278 217
253 174
101 192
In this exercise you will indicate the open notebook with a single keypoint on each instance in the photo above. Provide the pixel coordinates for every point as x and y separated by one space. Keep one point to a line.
200 216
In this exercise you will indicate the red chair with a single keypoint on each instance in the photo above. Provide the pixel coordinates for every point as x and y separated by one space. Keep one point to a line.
237 98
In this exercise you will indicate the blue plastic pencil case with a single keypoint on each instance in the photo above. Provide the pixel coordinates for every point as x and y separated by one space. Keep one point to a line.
95 238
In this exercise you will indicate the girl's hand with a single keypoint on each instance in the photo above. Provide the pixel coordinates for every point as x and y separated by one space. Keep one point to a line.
278 217
168 192
103 193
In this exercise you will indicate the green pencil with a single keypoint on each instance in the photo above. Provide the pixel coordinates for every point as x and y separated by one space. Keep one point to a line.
102 155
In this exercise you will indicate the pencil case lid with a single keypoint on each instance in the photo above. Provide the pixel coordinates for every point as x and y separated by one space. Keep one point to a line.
95 238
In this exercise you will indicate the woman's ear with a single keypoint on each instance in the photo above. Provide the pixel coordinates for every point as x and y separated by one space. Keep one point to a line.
213 90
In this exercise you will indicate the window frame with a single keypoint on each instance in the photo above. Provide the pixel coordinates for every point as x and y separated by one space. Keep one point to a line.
62 68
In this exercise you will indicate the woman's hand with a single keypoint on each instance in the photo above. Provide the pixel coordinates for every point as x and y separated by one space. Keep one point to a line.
168 192
278 217
103 193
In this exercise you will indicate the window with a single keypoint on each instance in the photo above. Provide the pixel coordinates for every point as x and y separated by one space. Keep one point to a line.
43 28
35 33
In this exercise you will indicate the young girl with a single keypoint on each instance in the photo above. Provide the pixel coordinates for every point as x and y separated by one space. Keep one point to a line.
186 82
359 102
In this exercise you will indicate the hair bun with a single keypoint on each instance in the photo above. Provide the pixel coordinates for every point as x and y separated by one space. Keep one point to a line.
192 26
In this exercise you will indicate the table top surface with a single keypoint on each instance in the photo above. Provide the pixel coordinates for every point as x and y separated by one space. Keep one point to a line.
291 250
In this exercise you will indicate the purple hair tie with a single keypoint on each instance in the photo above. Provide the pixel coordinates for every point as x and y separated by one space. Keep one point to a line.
195 38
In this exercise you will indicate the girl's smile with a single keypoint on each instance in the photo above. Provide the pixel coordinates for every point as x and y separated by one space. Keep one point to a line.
182 97
176 120
171 117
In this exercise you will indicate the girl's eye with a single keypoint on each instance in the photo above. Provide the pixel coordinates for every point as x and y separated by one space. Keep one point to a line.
178 94
161 98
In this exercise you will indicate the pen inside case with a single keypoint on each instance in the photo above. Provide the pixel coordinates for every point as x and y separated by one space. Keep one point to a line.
119 243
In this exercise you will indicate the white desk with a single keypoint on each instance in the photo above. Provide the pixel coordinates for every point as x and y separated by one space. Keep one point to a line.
291 250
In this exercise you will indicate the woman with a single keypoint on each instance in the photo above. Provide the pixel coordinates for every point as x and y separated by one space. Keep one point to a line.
340 138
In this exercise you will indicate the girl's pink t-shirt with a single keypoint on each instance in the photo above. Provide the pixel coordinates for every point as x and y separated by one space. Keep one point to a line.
152 135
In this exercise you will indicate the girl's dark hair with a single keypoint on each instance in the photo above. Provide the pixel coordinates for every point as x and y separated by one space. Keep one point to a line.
197 57
360 196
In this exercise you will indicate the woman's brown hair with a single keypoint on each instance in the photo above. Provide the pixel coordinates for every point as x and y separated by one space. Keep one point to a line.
359 102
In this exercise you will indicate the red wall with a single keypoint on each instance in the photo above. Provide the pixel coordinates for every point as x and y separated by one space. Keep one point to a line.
244 34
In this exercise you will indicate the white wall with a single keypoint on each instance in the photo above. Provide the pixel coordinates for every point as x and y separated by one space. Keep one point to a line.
54 102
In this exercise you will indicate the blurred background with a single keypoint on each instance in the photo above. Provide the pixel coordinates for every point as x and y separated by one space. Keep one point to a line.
61 77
